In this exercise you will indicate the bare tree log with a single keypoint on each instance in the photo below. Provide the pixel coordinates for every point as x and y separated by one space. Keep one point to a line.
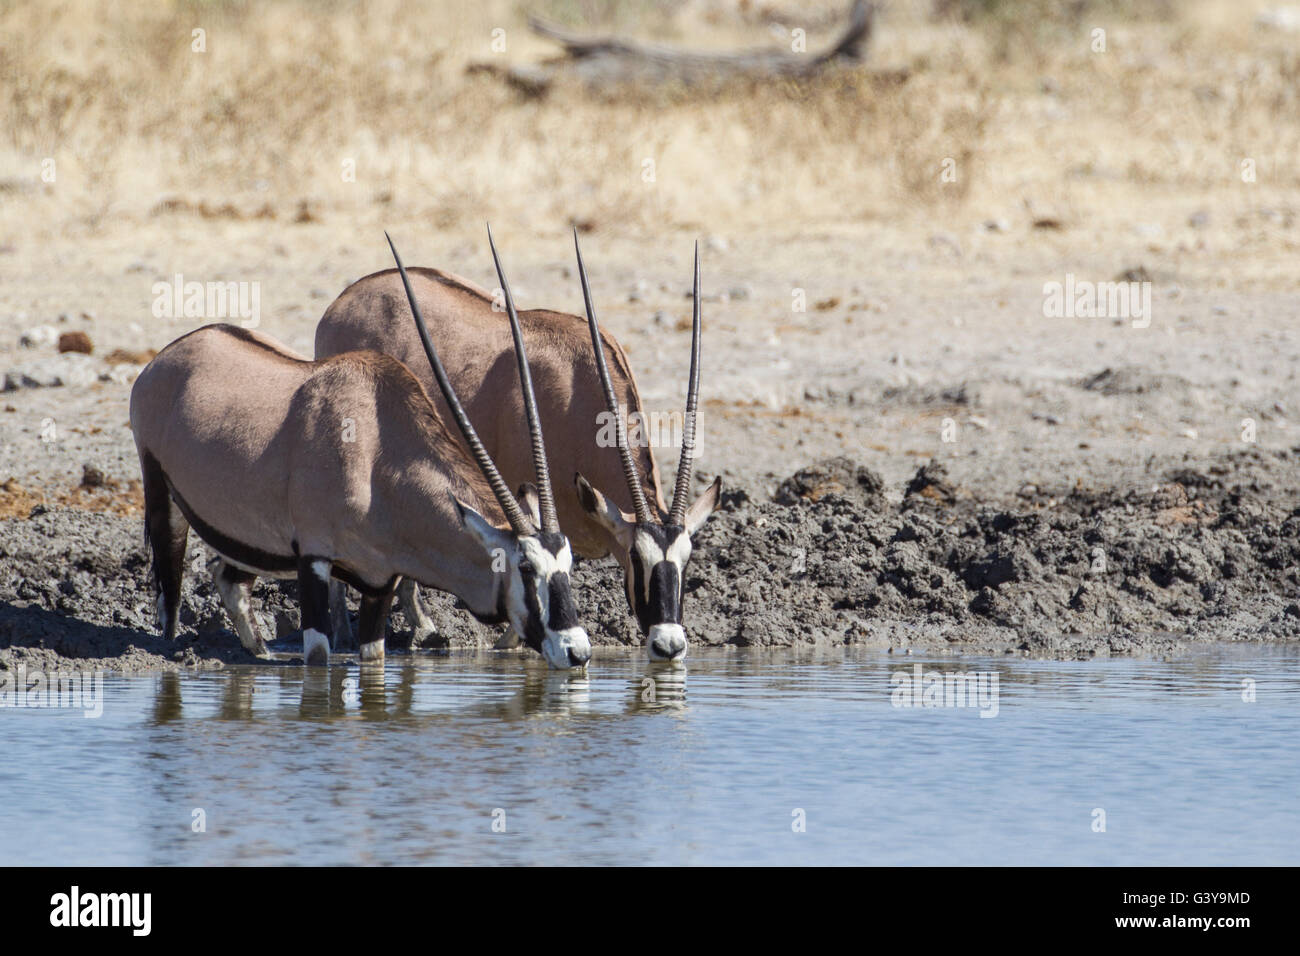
609 60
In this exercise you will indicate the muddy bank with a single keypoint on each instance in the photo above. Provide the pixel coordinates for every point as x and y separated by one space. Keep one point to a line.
1207 553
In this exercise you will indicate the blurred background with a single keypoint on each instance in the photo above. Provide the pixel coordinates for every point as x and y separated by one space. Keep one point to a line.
877 231
261 121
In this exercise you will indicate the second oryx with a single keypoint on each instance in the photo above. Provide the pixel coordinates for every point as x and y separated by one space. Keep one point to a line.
615 504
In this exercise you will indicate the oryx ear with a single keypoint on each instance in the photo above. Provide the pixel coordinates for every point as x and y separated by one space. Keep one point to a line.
531 503
703 506
486 534
606 513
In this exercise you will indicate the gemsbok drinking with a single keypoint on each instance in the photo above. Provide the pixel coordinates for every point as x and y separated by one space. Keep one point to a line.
344 467
578 389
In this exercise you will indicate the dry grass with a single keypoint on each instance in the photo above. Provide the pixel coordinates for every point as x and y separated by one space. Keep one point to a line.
17 501
262 123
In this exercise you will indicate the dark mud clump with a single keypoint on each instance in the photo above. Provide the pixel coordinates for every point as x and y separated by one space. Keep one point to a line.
841 477
1208 552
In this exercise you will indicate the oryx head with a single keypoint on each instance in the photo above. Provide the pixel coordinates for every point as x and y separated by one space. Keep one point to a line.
532 554
653 546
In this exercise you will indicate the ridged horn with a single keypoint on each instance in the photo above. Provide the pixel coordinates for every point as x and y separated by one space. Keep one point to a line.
682 489
545 496
519 521
639 504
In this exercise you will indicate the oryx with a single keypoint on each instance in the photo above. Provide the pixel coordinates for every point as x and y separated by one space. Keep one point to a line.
343 467
578 390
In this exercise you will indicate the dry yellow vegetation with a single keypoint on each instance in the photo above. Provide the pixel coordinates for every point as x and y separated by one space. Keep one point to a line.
288 96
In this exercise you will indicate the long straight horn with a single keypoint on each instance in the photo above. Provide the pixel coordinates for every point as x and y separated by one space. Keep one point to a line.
682 490
629 466
519 521
545 496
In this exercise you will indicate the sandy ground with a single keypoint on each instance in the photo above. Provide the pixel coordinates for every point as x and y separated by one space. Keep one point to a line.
1098 496
1099 485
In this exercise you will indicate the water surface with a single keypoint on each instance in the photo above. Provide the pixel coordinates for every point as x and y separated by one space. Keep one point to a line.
735 757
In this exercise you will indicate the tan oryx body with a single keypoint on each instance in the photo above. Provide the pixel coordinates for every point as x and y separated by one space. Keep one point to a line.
343 468
475 344
586 399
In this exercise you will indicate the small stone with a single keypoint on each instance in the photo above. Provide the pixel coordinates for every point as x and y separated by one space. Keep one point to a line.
71 369
75 342
92 476
1135 274
37 336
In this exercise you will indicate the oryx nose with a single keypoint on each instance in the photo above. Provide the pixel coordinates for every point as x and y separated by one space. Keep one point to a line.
571 648
667 641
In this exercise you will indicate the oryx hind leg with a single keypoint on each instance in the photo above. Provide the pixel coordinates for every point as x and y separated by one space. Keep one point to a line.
408 599
314 595
167 531
344 639
235 586
373 625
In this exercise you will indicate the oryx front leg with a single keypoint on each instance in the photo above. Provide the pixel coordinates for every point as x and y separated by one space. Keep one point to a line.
373 624
234 585
408 599
314 596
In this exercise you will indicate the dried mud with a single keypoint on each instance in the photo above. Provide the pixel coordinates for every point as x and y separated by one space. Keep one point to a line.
1208 553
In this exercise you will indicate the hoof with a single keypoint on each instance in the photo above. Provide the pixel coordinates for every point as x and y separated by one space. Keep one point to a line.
427 637
315 647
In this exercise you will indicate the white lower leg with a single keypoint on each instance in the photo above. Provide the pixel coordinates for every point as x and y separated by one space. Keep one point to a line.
235 599
315 647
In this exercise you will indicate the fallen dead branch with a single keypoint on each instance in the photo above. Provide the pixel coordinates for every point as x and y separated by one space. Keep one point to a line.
608 61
